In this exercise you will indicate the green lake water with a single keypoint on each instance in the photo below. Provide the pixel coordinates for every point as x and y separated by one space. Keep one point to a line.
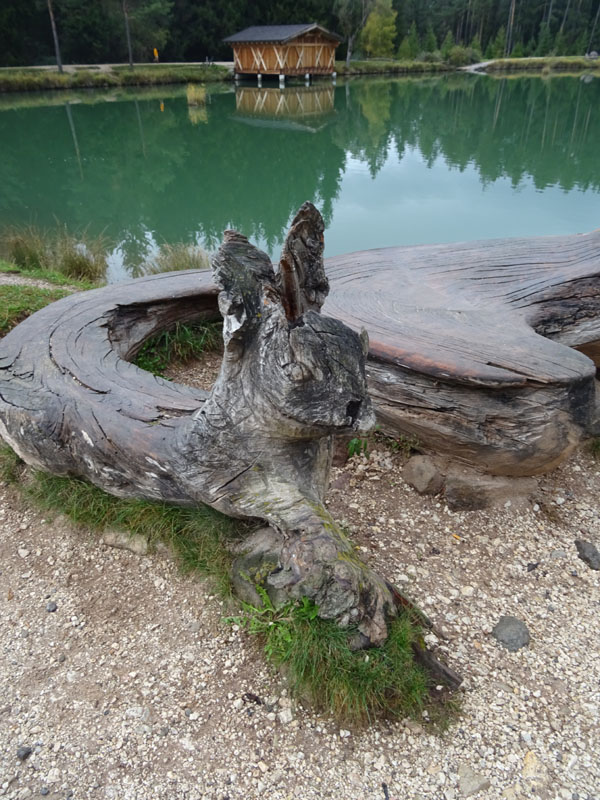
388 162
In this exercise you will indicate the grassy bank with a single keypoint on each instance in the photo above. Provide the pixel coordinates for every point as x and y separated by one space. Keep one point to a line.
390 67
18 301
548 64
28 80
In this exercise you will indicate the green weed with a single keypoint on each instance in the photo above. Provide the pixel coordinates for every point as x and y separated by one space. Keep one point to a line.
357 447
18 302
182 343
10 465
594 447
77 256
354 686
171 257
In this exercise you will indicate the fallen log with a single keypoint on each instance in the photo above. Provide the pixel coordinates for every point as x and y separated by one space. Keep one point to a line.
480 349
257 446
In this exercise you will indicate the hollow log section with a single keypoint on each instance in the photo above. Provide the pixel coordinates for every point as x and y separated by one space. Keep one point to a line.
257 446
480 349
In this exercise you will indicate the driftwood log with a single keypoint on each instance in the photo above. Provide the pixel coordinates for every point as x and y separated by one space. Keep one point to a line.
257 446
485 350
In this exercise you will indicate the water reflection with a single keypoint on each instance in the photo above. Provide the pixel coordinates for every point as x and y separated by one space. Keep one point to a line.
406 153
303 108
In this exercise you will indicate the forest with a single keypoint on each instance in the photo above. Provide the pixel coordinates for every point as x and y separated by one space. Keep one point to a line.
93 31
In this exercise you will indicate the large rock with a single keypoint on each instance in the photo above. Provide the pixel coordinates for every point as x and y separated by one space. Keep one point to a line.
511 633
137 543
588 552
470 782
471 491
421 473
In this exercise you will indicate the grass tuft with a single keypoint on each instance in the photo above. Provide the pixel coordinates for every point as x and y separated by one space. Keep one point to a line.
354 686
76 256
18 302
182 343
11 465
171 257
594 447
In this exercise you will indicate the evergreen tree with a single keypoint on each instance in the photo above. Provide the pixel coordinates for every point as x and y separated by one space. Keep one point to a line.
544 46
447 45
403 53
414 41
560 44
475 48
380 30
499 46
430 40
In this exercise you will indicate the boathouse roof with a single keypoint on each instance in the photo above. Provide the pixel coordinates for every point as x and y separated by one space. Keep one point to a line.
278 33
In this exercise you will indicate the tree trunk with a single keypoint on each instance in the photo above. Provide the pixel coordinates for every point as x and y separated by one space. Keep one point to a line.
349 49
258 446
55 36
127 32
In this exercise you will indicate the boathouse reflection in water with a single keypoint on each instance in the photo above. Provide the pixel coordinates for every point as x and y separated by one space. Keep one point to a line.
295 107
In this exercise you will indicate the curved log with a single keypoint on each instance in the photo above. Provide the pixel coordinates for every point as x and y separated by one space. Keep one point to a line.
471 344
258 445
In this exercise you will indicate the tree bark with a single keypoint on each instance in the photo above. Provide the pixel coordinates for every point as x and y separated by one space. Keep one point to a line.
55 36
127 32
257 446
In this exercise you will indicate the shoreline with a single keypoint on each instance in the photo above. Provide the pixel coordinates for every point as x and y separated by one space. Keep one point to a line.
107 76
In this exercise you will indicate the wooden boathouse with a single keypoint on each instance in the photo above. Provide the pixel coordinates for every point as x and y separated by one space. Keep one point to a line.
283 50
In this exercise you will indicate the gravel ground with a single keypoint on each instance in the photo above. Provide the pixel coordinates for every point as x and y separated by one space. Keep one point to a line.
134 687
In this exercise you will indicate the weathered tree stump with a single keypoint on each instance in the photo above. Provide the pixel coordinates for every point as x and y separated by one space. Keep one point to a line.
474 346
257 446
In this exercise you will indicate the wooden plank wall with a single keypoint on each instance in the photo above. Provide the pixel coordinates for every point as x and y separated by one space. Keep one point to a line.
312 53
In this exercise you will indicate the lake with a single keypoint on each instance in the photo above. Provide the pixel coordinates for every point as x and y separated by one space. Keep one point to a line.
388 162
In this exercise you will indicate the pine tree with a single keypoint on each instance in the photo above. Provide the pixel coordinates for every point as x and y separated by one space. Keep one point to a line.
475 47
404 50
380 30
499 46
430 41
447 45
545 41
413 40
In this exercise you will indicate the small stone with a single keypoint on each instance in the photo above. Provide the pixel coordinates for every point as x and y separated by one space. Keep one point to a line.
531 765
421 473
512 633
470 782
588 553
51 606
23 752
136 543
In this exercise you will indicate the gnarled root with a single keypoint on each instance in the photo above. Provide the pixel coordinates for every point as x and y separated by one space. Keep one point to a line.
319 564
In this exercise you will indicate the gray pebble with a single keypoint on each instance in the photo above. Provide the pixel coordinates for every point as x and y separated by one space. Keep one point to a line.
512 633
588 553
23 752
